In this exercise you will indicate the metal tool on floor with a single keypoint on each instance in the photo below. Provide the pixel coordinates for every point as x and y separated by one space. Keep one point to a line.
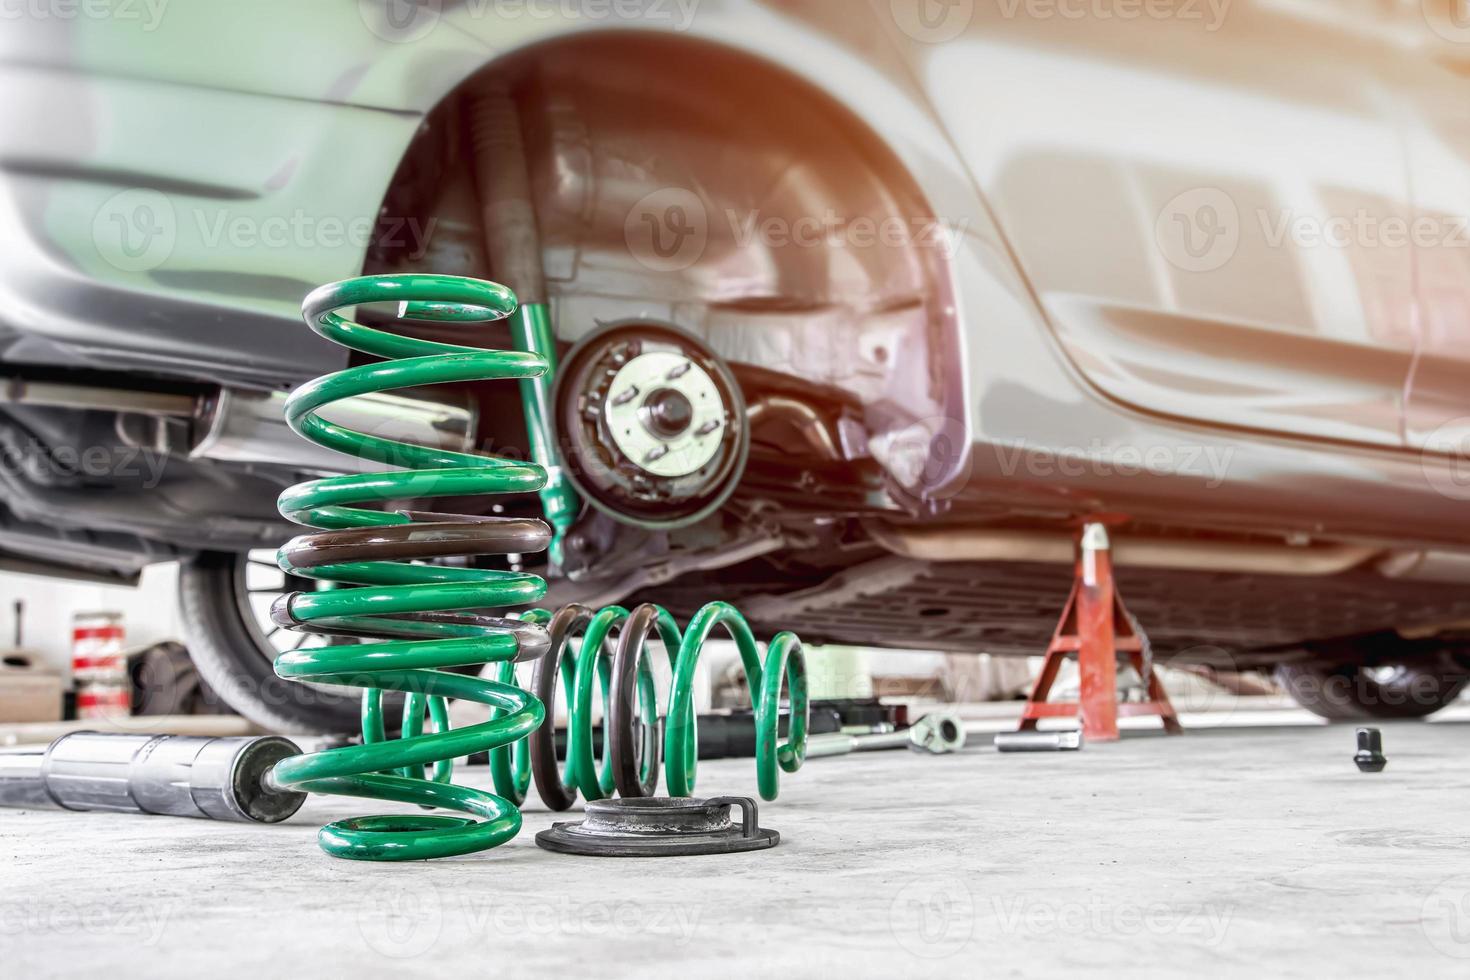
176 775
732 734
940 734
1034 741
661 827
1370 757
1096 627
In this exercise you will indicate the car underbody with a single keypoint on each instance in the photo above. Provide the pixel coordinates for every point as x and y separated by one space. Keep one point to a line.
859 461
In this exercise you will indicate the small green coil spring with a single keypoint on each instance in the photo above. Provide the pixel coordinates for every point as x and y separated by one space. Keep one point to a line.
379 587
630 732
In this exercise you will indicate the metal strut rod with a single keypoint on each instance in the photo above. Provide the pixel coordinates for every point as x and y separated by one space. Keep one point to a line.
513 243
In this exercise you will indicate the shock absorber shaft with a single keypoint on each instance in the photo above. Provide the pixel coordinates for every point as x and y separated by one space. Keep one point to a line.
513 244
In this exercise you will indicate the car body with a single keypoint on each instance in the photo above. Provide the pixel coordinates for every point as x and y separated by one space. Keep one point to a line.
1196 269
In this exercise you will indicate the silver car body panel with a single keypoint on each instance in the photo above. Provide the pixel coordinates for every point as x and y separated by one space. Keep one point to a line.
1086 371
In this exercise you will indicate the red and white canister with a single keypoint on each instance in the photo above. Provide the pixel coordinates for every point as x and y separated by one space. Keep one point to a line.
99 666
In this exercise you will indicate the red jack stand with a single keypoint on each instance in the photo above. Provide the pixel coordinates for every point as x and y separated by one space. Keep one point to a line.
1096 626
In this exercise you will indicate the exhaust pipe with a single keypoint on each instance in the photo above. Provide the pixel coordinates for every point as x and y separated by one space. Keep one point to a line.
239 426
236 426
947 543
53 394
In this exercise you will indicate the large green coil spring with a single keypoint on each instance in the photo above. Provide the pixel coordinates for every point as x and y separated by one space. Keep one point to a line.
378 587
630 731
418 610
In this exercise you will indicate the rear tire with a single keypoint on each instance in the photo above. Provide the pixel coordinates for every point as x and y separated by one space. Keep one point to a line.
1358 692
234 654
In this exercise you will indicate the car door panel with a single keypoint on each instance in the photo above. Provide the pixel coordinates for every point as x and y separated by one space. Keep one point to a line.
1435 89
1185 199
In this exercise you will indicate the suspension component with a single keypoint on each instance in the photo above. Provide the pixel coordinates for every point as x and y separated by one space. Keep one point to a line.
661 827
177 775
653 424
634 735
420 611
513 244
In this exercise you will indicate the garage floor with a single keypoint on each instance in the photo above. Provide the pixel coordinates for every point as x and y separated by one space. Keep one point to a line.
1229 849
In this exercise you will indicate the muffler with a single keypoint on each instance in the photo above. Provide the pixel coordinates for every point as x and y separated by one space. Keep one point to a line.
235 425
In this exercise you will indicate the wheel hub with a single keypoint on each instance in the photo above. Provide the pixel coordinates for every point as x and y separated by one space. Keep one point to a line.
665 414
651 424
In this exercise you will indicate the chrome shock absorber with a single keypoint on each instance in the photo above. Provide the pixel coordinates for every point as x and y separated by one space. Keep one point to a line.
427 616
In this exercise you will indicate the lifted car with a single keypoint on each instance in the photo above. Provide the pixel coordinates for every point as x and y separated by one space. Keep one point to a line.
943 299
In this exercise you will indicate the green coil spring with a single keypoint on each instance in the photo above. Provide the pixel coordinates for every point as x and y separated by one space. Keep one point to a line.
379 587
419 611
630 733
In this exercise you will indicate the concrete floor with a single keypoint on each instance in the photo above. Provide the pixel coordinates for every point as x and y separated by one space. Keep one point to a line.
1226 851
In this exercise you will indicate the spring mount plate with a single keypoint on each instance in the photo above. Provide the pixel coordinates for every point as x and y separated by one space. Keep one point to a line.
661 827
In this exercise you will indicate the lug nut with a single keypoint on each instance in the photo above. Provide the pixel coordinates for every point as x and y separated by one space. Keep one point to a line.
1370 756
